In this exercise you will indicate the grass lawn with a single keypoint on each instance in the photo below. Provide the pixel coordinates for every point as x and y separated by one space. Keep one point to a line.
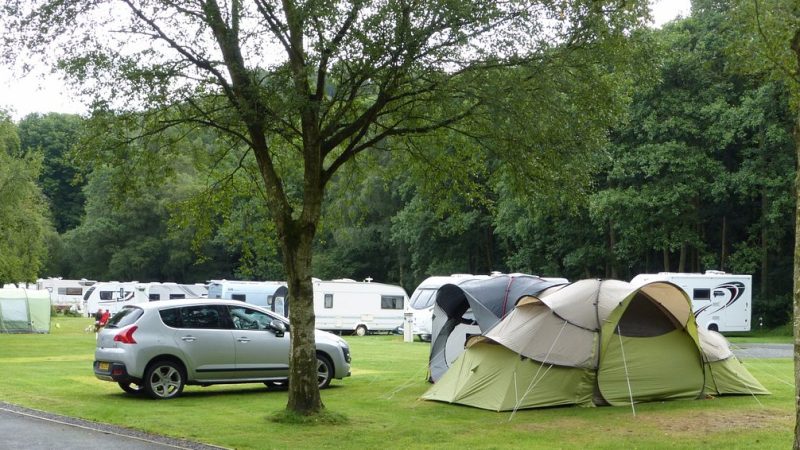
53 372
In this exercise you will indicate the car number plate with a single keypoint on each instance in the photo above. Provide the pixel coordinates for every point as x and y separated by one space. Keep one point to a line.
104 366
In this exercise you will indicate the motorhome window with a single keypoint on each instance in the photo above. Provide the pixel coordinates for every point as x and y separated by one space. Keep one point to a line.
71 291
176 296
154 297
329 301
702 294
240 297
423 298
106 295
391 302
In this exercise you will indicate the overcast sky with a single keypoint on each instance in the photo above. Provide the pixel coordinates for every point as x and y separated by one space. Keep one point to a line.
46 93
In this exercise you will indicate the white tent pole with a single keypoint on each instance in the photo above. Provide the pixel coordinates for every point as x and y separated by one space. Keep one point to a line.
625 364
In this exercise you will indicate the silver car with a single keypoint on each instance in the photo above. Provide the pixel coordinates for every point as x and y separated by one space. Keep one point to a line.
159 347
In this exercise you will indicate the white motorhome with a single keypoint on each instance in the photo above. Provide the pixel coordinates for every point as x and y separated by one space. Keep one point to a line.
67 294
267 294
113 295
110 295
721 301
359 306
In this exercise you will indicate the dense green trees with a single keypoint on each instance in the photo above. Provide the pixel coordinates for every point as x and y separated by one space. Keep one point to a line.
25 226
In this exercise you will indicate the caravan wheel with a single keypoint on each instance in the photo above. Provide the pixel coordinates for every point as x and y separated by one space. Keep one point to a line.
361 330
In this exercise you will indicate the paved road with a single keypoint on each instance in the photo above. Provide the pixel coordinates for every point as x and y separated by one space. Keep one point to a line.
28 429
763 350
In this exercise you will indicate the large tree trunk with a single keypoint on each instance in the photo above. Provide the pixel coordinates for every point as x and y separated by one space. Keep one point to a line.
764 246
682 258
795 44
304 397
797 277
723 254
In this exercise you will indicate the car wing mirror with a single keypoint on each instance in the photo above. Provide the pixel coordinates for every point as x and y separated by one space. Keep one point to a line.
277 327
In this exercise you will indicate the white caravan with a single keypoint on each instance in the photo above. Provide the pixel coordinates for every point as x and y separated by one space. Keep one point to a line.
721 301
66 294
268 294
420 306
360 306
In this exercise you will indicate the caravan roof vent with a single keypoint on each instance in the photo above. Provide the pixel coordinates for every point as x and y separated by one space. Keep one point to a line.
715 272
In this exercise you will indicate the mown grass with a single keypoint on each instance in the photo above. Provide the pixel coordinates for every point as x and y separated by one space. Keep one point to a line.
378 406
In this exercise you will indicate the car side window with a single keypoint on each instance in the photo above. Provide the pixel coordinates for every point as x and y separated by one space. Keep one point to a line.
201 316
171 317
249 319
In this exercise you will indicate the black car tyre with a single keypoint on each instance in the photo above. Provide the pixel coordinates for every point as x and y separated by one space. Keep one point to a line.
131 388
277 385
324 371
164 380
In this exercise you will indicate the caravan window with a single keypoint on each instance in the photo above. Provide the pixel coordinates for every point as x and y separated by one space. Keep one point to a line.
422 298
391 302
176 296
329 301
702 294
106 295
70 291
154 297
88 293
240 297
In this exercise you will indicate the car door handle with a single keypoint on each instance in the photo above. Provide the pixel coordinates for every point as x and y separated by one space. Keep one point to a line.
189 338
243 339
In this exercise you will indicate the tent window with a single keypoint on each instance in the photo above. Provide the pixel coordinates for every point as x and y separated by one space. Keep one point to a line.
644 318
702 294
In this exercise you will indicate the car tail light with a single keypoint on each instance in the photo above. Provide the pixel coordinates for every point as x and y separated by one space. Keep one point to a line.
126 336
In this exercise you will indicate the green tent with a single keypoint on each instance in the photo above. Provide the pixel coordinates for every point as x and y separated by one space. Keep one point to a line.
590 343
24 311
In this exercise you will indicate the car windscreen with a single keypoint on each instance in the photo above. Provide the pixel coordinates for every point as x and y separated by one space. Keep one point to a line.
125 317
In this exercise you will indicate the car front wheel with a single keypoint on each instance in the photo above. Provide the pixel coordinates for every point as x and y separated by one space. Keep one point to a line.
164 380
324 371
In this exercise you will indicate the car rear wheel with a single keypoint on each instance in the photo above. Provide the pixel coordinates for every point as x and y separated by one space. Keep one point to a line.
324 371
277 385
164 380
131 388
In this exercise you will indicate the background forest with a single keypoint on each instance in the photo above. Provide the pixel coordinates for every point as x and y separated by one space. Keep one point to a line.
696 172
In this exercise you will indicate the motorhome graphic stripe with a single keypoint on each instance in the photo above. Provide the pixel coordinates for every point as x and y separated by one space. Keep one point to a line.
736 288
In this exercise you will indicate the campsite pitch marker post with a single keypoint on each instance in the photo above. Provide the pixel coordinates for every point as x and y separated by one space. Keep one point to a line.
408 333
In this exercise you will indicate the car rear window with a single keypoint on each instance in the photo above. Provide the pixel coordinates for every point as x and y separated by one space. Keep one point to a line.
125 317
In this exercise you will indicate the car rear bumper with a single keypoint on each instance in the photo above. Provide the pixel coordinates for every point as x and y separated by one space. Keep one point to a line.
113 371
